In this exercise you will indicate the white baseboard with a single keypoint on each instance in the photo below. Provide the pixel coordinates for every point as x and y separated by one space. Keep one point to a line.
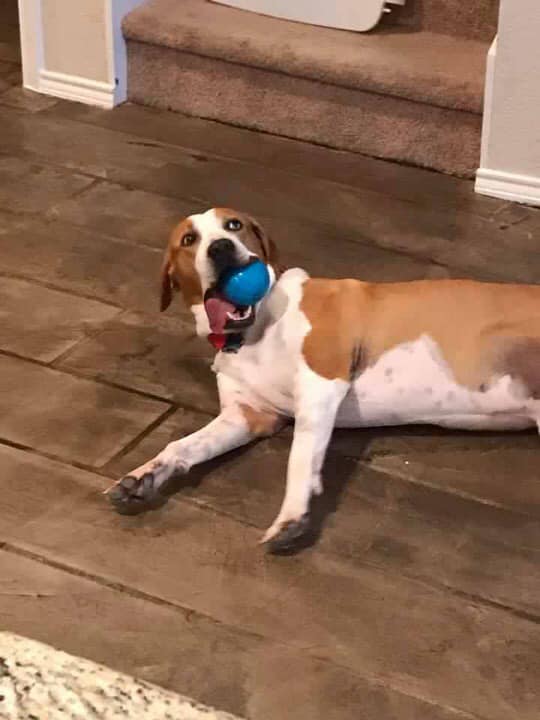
78 89
508 186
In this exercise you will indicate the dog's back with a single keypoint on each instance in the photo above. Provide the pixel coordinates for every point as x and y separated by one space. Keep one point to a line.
482 330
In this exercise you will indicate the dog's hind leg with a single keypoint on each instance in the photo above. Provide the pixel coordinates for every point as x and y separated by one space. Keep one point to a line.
316 404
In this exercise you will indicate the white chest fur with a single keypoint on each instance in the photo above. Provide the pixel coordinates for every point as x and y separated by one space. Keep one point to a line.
266 364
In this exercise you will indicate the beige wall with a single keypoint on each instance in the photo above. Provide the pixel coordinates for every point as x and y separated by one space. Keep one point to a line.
75 38
512 140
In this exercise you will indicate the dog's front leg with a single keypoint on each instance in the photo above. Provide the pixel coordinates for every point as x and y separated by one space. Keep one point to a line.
228 431
317 400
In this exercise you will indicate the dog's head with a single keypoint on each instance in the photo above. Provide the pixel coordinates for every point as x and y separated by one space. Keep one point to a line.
200 249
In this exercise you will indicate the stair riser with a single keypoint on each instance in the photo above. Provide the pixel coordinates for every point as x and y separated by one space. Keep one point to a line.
476 20
376 125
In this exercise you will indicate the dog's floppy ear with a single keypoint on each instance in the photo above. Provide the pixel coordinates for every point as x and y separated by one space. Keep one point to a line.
167 284
268 246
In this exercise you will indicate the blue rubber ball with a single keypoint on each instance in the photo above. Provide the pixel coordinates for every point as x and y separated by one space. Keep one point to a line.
245 285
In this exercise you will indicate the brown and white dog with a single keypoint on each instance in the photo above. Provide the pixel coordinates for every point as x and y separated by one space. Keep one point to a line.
345 353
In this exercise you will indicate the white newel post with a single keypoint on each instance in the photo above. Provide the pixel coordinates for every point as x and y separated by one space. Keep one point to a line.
74 49
510 160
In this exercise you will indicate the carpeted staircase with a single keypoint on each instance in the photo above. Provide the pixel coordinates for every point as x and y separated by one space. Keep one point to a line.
411 90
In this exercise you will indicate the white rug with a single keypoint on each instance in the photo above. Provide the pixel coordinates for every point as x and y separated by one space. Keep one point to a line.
38 682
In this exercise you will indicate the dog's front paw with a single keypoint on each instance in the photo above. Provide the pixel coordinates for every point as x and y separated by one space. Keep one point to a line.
287 536
146 487
132 494
141 490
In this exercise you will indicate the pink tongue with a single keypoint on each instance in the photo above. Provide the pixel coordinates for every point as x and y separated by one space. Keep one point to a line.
217 309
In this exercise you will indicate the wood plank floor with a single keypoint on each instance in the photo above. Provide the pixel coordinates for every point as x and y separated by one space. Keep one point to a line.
420 599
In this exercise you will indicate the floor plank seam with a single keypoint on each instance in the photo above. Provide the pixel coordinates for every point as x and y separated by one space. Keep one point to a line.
168 400
140 437
457 493
479 601
385 507
106 474
417 255
82 376
191 152
193 501
203 505
89 334
189 614
33 156
173 406
444 589
44 213
362 243
58 288
51 456
56 113
148 187
49 218
79 193
370 465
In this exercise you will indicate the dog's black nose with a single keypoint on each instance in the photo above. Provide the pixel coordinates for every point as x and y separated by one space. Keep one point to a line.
222 253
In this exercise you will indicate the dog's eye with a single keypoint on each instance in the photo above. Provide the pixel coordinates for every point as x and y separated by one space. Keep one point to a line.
188 239
234 224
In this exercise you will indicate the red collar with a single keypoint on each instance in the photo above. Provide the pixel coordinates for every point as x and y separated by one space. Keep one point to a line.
226 342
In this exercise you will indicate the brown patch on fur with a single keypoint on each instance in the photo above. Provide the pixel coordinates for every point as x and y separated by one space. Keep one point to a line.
178 270
166 285
254 237
262 423
335 309
521 360
466 319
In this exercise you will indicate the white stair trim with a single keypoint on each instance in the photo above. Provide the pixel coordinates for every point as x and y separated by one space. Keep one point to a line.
107 92
30 29
359 16
508 186
77 89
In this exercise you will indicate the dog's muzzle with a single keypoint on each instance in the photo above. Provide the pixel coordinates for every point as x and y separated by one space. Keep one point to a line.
223 315
223 255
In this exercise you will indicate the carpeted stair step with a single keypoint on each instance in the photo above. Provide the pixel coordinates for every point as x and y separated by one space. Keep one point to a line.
413 96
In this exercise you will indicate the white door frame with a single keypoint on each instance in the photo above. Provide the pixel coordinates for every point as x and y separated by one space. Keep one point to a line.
36 76
31 30
510 160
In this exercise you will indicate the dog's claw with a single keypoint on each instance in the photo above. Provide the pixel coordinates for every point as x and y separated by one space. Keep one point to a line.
285 537
133 495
